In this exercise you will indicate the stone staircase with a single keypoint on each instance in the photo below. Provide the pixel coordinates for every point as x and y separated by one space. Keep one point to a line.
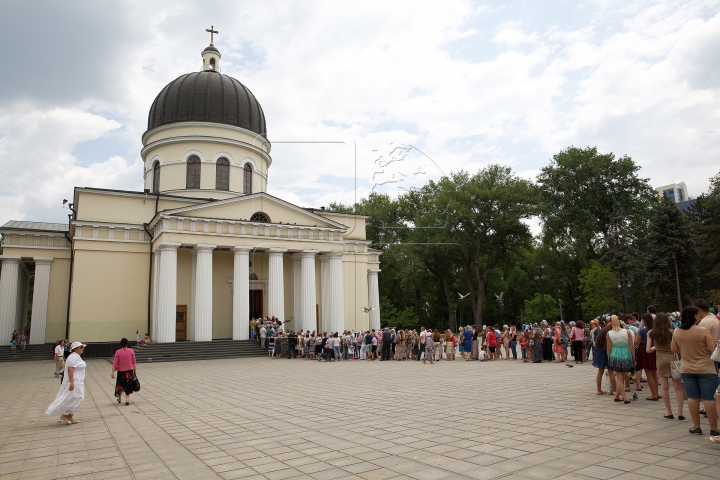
180 351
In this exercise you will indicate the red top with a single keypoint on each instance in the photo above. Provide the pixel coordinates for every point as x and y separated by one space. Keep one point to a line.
124 360
492 341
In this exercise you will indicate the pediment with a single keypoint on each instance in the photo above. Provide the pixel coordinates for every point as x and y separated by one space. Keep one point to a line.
242 209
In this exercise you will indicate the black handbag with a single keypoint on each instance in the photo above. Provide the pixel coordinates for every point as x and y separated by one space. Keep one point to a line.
135 383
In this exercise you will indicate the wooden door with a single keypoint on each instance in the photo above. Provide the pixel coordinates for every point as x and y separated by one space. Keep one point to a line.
181 323
256 303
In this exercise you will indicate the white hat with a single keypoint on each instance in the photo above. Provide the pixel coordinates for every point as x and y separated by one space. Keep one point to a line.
76 345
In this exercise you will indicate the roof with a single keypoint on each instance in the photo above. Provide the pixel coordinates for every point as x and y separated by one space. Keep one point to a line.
40 226
207 96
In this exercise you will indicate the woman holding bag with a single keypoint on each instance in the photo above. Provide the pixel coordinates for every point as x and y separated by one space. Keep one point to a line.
659 341
695 345
124 363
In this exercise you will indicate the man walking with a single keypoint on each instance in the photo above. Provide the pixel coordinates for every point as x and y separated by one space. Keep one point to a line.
263 336
423 339
59 358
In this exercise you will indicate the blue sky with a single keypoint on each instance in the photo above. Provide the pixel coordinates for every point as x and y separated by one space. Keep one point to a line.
467 83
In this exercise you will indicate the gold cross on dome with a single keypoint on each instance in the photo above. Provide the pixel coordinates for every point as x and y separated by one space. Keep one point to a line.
211 31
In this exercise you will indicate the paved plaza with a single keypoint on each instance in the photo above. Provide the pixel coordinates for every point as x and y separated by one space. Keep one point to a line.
280 419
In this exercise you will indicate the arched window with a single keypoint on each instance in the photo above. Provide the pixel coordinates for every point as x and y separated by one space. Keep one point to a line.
193 172
247 179
212 63
260 217
222 174
156 177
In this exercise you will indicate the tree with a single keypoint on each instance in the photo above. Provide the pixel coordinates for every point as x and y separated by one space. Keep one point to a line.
533 309
706 222
672 263
590 203
598 285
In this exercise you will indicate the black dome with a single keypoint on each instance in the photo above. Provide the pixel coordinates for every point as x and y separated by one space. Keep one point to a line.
207 96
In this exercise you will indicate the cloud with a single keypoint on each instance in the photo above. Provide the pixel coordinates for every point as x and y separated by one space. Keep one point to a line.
467 84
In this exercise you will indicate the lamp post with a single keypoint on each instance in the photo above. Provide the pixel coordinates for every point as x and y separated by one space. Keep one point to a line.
560 301
624 283
540 277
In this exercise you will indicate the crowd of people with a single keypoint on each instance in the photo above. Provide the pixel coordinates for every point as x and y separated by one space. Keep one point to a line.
657 348
19 339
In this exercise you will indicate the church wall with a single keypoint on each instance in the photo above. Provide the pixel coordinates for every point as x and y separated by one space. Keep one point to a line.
223 263
115 208
355 222
184 284
58 289
208 130
244 210
110 291
355 291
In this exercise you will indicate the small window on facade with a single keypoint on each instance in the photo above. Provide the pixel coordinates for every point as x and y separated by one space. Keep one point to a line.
260 217
222 174
212 63
247 179
156 177
193 172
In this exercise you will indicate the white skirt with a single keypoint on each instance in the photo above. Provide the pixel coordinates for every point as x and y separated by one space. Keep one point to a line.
67 401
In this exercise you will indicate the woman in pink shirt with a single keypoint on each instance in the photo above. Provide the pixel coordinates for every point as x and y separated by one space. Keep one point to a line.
124 364
577 335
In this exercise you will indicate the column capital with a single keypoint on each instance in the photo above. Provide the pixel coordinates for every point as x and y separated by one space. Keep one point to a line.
168 246
10 258
309 253
203 247
333 254
373 271
43 260
277 251
242 249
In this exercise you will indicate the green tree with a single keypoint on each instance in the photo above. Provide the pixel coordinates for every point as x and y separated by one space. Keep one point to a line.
672 262
706 217
394 318
533 309
598 286
590 201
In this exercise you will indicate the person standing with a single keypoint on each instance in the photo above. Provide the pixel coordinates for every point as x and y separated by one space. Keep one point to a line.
537 344
423 339
467 339
252 329
125 366
659 342
59 358
621 356
71 395
695 345
263 336
513 341
386 344
647 360
429 351
292 344
577 335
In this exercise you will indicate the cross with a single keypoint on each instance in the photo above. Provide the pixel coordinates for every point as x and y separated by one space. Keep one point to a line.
211 31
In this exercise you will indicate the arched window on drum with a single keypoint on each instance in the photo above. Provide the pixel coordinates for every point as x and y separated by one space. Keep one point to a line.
156 177
247 179
193 172
222 174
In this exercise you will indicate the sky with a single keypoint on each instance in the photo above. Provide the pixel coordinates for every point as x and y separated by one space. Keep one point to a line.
362 95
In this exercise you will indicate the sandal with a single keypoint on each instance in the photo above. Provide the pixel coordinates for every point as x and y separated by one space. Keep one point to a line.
127 403
696 431
618 400
627 401
714 439
653 399
680 417
669 417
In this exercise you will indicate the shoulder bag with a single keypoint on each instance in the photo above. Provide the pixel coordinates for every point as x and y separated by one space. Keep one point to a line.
716 353
135 383
675 369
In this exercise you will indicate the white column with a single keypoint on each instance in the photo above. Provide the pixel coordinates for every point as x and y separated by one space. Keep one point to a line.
374 298
167 293
308 295
156 296
337 301
241 293
191 307
23 303
203 293
297 312
9 292
41 289
326 315
276 290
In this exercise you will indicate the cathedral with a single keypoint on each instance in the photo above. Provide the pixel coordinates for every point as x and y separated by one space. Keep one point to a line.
202 250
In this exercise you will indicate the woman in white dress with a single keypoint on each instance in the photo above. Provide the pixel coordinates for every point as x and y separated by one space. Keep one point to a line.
72 391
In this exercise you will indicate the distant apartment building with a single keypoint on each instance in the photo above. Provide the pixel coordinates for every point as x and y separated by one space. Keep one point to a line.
677 192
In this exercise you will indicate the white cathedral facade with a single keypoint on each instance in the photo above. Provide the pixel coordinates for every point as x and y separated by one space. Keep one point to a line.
201 250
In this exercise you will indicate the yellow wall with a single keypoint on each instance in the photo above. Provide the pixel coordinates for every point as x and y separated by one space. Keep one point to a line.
355 291
356 224
222 297
103 207
110 291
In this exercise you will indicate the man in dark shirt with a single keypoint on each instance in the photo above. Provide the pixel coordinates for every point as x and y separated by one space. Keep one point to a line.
387 345
292 343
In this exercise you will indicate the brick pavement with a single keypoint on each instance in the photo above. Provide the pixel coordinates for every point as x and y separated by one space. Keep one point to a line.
278 419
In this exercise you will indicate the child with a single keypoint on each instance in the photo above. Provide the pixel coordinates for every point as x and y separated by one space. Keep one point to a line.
351 351
523 346
13 346
271 346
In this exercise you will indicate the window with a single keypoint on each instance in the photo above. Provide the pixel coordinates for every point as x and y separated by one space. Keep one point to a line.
247 179
156 177
193 172
222 174
260 217
212 63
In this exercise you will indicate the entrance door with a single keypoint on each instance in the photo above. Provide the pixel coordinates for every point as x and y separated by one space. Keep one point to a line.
256 303
181 323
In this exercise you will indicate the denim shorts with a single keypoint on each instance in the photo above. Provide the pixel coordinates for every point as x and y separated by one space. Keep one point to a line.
702 386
